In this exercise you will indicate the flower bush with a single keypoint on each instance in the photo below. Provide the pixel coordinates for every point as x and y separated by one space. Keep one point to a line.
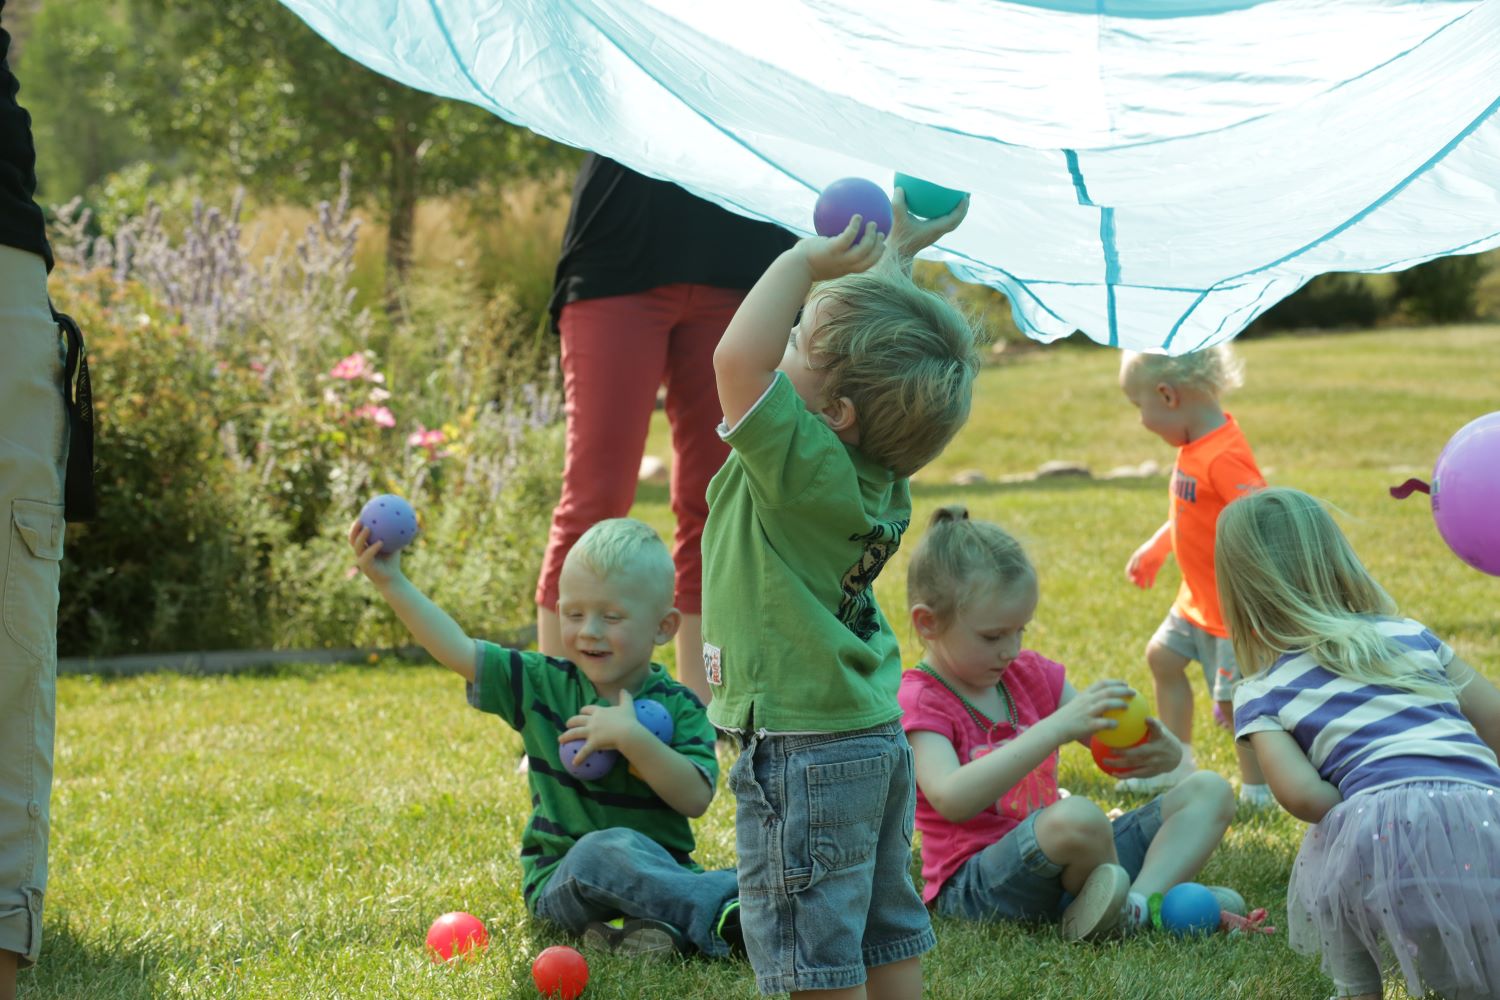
246 409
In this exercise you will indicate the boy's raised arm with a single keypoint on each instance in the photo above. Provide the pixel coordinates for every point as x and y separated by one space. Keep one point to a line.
753 344
429 624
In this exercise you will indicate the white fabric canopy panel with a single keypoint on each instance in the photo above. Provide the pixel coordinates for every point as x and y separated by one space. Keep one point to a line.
1156 173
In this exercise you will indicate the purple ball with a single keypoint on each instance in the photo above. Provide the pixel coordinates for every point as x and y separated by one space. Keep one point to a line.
1190 908
595 766
655 717
844 199
391 521
1466 493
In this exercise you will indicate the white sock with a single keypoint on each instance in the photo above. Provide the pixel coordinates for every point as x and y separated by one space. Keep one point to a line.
1258 795
1137 910
1188 761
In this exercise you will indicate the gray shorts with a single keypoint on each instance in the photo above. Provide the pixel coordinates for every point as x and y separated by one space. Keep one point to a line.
1013 880
823 828
1182 637
32 439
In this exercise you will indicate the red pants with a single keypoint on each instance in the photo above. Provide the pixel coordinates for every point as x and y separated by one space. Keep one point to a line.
616 352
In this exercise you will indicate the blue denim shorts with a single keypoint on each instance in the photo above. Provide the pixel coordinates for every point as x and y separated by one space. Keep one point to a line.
823 828
1013 880
1220 670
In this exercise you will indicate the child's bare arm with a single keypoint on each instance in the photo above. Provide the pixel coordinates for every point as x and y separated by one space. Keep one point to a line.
671 775
1146 561
911 235
753 344
1479 700
429 624
959 792
1293 780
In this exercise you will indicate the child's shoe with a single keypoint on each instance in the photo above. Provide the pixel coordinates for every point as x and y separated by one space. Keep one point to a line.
728 928
639 936
1099 907
1229 900
1257 796
1161 782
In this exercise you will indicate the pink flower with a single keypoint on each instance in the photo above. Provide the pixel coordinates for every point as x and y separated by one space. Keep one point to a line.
380 414
429 439
354 366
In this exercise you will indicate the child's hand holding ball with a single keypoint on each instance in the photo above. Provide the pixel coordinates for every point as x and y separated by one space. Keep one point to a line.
385 526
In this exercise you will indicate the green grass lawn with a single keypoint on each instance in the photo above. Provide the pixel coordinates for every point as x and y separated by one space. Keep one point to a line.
292 833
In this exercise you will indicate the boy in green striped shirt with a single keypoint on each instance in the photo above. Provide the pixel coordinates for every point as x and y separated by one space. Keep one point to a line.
618 845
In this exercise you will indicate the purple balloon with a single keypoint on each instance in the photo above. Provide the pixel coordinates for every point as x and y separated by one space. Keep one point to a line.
391 521
844 199
655 717
595 766
1466 493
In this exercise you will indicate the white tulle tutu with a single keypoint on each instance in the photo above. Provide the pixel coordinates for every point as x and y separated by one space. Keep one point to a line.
1411 873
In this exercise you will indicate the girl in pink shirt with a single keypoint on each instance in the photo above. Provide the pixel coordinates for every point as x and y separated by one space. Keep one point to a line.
985 719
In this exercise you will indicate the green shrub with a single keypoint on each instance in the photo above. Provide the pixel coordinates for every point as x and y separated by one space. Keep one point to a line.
245 415
1328 302
1443 290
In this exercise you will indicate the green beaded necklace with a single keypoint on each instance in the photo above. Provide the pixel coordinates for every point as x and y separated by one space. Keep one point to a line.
983 721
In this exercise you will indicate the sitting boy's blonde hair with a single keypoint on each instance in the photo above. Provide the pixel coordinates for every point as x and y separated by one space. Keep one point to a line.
625 545
905 357
1214 370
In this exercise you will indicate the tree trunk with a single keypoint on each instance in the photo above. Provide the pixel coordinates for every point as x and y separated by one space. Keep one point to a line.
403 212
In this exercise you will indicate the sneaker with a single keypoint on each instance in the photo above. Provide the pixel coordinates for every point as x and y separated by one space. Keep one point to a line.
1157 784
1257 796
1099 907
1229 900
728 928
639 936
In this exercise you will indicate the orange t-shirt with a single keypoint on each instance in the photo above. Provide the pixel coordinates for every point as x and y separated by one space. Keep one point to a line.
1210 473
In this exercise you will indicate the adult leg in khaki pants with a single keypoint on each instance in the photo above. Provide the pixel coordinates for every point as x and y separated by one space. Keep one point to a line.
32 445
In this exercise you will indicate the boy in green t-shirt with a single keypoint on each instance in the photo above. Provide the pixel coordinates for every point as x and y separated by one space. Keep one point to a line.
619 845
825 426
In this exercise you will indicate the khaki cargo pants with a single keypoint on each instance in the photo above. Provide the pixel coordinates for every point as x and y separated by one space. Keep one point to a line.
32 445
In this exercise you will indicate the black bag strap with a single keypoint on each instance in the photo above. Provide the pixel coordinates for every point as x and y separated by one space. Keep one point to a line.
79 503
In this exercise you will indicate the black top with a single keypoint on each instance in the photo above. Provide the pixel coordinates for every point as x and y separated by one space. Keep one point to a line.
628 233
20 218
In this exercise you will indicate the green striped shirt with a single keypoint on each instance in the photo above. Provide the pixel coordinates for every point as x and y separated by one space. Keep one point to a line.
536 695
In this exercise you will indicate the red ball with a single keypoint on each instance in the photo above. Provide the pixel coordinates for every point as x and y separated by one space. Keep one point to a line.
455 934
1103 753
560 973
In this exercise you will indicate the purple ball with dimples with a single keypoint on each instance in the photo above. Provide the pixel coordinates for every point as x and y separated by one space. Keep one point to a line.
391 521
844 199
655 717
593 767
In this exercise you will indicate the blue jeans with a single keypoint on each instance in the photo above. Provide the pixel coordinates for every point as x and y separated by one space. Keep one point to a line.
1013 880
622 872
823 827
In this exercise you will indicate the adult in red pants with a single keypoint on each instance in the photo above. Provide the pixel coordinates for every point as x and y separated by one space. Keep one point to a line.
648 279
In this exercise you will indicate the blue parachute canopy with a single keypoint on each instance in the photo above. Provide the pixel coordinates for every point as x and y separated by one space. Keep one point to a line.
1156 173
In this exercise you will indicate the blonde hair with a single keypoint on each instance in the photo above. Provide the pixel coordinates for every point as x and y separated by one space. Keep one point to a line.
1214 370
625 545
1289 582
905 357
957 557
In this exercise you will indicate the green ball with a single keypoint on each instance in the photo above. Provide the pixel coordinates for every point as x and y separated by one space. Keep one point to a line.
926 199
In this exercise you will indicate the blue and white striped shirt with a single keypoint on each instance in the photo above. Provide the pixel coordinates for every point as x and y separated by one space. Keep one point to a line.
1362 736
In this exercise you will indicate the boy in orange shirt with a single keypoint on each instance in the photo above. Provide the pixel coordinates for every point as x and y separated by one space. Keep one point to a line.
1178 399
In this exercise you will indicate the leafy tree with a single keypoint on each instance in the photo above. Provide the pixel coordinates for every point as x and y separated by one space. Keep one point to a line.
248 88
68 56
